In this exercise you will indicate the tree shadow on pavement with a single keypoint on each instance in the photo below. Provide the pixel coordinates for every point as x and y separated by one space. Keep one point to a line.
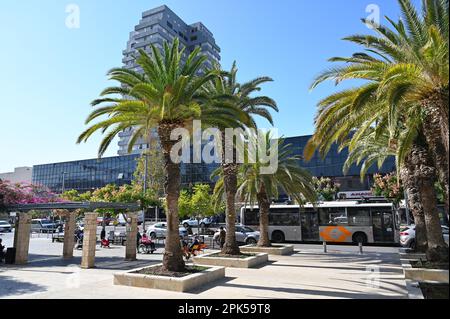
10 287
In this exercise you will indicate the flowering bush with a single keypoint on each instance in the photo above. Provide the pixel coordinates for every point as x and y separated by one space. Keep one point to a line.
388 186
325 188
25 193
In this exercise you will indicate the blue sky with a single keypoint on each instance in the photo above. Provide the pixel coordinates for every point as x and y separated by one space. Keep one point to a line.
49 73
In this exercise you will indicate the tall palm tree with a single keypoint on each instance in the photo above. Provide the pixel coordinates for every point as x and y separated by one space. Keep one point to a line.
373 149
226 90
164 97
400 72
257 187
409 67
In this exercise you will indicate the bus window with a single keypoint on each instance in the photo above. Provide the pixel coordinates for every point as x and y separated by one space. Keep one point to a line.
251 217
284 217
333 216
358 216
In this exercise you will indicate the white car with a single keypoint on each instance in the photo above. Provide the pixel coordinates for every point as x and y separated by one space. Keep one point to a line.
193 222
244 235
408 236
5 227
159 230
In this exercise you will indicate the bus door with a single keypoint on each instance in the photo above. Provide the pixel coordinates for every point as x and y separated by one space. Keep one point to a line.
309 224
383 226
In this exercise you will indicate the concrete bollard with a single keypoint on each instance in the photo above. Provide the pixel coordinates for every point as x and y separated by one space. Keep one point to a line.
360 248
325 247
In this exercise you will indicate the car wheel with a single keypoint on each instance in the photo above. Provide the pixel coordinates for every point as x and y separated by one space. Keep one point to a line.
278 236
153 236
185 225
412 245
251 241
360 238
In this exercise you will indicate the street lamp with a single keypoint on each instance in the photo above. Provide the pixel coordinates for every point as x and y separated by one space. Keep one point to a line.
63 181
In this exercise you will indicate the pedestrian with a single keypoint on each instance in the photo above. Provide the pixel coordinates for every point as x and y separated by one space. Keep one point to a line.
2 253
222 236
103 233
138 240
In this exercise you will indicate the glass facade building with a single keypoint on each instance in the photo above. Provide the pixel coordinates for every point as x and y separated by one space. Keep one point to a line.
332 166
85 175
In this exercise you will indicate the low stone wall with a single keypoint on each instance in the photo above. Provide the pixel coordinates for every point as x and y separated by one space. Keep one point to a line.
419 274
276 249
182 284
249 262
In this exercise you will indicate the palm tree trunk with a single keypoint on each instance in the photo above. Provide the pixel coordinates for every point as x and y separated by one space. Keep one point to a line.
173 257
426 177
230 185
230 171
414 203
436 132
264 208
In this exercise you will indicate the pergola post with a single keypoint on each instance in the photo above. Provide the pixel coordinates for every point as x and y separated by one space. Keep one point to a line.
132 228
69 235
22 238
89 240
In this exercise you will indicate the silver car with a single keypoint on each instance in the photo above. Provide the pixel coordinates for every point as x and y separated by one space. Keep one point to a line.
159 230
5 226
408 236
244 234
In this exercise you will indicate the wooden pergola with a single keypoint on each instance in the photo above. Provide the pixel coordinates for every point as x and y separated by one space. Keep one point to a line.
23 228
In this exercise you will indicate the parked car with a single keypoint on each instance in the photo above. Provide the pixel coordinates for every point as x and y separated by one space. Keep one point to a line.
43 226
108 221
194 222
244 235
5 227
408 236
159 230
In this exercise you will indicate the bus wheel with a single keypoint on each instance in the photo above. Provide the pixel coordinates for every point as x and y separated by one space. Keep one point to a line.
360 238
277 236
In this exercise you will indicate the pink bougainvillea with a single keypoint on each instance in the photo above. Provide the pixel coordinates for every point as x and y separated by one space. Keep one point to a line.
25 193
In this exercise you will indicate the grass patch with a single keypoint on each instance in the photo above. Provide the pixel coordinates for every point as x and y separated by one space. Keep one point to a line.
242 255
428 264
160 271
434 291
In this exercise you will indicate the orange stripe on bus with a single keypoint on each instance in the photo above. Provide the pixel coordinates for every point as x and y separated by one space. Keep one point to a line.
329 234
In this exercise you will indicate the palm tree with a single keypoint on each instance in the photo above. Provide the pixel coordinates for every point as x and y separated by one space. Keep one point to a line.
226 90
164 97
409 67
401 72
373 148
258 187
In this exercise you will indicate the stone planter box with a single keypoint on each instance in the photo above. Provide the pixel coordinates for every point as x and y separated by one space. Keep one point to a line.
413 256
274 250
419 274
180 284
249 262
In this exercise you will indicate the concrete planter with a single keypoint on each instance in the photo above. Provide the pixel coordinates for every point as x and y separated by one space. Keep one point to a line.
181 284
413 256
274 250
249 262
435 275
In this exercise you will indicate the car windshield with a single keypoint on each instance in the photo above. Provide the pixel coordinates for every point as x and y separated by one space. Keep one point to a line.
246 229
3 222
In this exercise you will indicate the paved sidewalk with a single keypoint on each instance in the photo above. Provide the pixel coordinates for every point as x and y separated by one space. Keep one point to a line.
308 273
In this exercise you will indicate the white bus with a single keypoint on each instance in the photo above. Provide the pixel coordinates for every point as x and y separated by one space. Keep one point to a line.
338 222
